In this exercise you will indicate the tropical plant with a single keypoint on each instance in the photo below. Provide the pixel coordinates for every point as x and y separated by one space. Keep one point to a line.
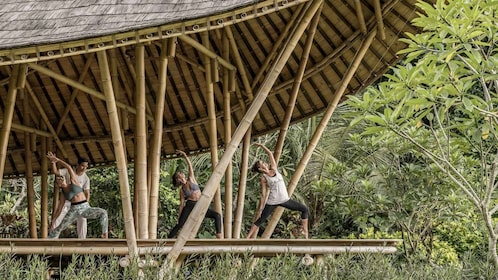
443 101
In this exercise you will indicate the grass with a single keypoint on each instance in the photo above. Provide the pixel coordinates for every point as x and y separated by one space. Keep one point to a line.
231 267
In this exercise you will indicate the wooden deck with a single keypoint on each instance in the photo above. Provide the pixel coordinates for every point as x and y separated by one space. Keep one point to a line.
256 247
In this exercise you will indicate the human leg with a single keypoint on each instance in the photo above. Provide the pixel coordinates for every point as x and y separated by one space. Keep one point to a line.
65 209
294 205
95 213
217 221
81 226
189 205
68 219
253 232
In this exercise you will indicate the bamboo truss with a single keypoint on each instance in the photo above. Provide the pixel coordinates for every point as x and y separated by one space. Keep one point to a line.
198 85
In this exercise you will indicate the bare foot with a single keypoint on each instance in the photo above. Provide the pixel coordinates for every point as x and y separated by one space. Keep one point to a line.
104 235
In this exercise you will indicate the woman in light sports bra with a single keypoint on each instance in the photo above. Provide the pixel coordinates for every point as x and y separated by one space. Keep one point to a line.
79 205
190 193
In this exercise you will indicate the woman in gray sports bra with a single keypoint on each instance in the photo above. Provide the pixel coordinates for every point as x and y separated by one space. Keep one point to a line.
79 205
190 193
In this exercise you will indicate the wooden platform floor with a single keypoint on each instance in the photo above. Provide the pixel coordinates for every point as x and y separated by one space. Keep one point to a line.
256 247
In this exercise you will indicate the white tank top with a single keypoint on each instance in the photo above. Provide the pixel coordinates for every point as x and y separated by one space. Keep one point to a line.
278 190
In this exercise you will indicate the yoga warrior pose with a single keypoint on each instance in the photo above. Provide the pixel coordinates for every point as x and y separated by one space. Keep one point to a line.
273 194
190 193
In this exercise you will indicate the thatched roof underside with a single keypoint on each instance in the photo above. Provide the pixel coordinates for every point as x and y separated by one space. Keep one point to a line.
64 36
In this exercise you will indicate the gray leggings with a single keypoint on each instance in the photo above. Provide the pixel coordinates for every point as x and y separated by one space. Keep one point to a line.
81 210
289 204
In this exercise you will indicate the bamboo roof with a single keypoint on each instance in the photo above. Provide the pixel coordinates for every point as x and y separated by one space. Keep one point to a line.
62 97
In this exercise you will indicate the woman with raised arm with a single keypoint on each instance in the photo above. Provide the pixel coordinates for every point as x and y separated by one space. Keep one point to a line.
273 194
79 205
190 193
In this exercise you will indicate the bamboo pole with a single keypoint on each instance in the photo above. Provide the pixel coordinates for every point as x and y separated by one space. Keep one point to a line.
240 65
8 113
140 162
122 114
239 211
284 126
360 17
206 51
192 225
45 119
168 48
28 152
379 17
70 103
213 131
227 120
118 144
23 128
319 130
79 86
44 187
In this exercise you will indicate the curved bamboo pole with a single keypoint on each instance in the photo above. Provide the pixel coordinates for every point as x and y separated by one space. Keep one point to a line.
8 113
140 163
168 49
192 225
296 86
319 131
124 185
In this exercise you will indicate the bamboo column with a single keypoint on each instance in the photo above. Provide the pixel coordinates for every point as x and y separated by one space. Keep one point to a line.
296 86
227 120
28 152
193 223
239 211
168 48
213 132
319 131
118 144
44 187
8 113
141 197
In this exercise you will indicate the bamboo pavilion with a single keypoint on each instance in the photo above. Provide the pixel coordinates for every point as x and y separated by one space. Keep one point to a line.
128 82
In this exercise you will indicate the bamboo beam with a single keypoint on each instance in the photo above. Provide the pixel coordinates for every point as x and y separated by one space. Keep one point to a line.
161 247
212 128
140 162
192 225
80 86
319 130
227 121
360 17
168 49
284 126
70 103
240 65
380 20
8 114
23 128
118 144
206 51
45 119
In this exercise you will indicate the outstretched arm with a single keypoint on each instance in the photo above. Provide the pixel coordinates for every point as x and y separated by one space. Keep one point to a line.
54 159
273 163
191 175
